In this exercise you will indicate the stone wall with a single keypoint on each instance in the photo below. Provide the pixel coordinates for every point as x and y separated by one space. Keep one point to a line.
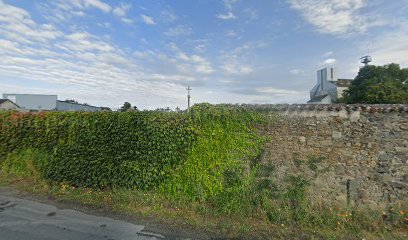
355 154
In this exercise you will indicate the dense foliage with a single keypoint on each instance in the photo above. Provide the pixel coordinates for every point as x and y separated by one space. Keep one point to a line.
132 149
379 84
226 145
184 154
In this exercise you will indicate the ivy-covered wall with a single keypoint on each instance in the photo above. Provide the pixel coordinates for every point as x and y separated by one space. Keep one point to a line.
184 155
101 149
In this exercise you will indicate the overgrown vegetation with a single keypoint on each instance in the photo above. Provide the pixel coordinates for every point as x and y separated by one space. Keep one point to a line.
379 85
101 150
206 164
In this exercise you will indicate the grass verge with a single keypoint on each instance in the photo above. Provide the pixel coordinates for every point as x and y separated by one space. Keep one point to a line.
195 216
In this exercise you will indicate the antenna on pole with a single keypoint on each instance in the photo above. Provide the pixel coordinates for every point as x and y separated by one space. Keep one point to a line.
366 59
188 97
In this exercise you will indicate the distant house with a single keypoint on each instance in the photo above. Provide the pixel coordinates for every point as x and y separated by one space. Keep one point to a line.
39 102
6 104
328 88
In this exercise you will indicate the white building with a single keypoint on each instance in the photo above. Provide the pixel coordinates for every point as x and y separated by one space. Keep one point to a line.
39 102
33 102
328 88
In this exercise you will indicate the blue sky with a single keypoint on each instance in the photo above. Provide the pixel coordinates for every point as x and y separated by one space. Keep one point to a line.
230 51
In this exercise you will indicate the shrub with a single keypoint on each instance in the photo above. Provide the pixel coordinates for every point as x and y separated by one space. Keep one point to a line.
133 149
186 155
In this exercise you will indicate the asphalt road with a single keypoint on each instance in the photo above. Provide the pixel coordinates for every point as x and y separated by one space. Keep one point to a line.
22 219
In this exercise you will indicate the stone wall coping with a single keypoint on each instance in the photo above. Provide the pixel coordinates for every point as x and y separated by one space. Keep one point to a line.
369 108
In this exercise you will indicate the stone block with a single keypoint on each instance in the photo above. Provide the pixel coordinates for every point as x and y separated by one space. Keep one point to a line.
403 126
403 150
399 184
339 170
336 135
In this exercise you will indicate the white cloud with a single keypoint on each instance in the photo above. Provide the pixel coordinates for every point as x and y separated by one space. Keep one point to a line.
231 33
97 4
251 13
236 69
328 54
121 10
276 91
85 66
391 47
127 20
226 16
105 25
200 47
296 72
229 3
148 20
337 17
180 30
19 27
196 62
64 10
328 61
235 61
169 16
145 55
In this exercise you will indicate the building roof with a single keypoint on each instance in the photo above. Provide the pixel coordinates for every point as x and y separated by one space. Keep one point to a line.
7 100
76 103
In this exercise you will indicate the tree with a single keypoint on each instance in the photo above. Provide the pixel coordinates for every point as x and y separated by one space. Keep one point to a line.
126 106
106 109
70 101
379 84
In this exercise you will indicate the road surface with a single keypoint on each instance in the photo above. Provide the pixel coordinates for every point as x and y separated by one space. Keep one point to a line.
22 219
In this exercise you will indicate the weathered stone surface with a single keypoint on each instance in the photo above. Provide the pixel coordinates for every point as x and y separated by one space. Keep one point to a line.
366 144
398 184
336 135
404 126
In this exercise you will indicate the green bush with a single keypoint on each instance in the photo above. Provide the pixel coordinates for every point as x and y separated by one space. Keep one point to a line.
135 149
25 163
217 166
183 154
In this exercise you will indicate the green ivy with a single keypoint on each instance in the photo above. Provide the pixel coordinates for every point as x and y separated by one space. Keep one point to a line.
135 149
183 154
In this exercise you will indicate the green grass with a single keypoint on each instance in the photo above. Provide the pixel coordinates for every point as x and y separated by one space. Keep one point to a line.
207 217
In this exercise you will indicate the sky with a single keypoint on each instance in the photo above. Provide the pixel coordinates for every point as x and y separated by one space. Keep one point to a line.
146 52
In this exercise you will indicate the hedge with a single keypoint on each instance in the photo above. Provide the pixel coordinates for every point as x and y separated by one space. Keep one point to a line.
180 153
132 149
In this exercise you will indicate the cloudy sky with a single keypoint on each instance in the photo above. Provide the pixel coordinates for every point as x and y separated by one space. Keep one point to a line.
232 51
